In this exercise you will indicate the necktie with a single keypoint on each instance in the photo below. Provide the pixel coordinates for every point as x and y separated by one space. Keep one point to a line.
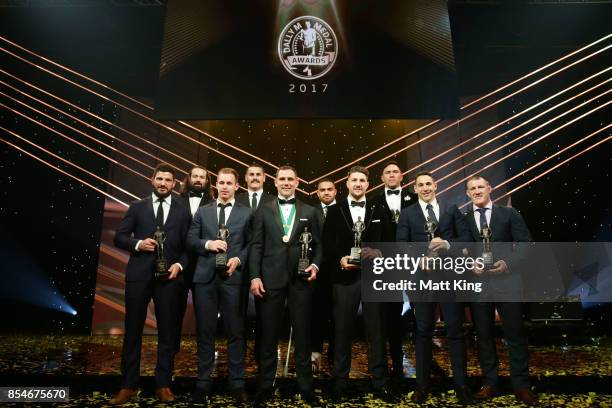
159 218
325 211
254 201
431 213
483 217
390 192
195 194
290 201
358 204
222 212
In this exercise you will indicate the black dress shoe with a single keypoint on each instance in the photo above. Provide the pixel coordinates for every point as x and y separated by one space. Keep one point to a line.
384 393
311 399
465 396
262 397
240 396
420 395
200 396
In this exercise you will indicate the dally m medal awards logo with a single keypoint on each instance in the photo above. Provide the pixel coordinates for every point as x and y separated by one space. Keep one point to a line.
307 47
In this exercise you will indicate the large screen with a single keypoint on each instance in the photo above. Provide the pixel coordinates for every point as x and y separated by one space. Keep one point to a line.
262 59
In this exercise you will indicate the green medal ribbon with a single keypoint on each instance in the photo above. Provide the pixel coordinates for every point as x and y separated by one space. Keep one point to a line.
287 222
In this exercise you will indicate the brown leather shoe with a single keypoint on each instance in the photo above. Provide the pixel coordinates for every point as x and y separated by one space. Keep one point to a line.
526 396
123 396
165 394
486 392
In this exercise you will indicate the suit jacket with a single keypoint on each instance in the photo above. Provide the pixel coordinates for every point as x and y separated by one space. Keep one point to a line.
508 227
139 223
338 235
192 256
407 199
243 198
204 227
273 260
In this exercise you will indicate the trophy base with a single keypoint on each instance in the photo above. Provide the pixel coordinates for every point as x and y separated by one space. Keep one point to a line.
161 270
302 265
487 260
356 261
355 258
221 262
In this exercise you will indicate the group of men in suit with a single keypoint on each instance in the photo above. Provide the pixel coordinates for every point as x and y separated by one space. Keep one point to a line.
262 247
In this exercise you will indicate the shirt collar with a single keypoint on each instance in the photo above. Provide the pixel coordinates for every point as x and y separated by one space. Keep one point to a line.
259 192
327 205
232 201
349 198
423 204
165 199
489 205
398 188
283 198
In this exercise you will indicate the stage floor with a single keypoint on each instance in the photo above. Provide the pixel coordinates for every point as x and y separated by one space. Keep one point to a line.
564 373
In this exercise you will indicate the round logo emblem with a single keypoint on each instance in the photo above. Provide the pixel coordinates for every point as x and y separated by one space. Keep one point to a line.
307 47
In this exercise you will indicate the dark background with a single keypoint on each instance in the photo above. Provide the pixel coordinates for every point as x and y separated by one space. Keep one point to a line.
55 222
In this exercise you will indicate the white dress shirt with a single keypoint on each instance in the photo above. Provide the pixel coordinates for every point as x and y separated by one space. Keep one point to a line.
357 211
258 198
286 210
194 204
394 201
435 206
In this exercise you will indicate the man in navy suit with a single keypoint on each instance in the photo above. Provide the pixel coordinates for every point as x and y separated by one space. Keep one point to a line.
508 227
273 268
450 227
220 290
338 238
134 234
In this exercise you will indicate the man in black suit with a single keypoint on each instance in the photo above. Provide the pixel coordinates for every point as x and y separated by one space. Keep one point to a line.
134 234
255 194
220 290
273 265
195 192
322 308
450 227
394 199
507 226
338 238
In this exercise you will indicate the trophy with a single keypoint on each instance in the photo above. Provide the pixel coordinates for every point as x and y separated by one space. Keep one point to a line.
430 229
304 262
221 257
396 216
487 254
161 265
358 228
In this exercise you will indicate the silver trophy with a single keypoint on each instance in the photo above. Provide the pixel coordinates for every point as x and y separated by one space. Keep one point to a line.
358 228
161 264
396 216
430 230
304 262
221 257
487 254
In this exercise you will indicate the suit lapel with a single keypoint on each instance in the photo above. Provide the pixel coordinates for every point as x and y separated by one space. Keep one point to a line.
296 220
277 217
472 222
494 216
346 213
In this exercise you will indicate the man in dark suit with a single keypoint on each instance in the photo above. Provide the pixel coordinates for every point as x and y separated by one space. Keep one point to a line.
338 238
450 227
255 194
134 234
394 199
507 226
220 290
195 192
322 308
273 266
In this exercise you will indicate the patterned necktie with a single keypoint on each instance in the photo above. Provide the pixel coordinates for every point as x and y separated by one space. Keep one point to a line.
325 211
483 217
431 213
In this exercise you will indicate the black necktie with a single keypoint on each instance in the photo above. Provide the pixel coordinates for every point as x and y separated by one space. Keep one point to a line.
290 201
195 194
159 218
254 201
358 204
390 192
222 212
431 213
483 217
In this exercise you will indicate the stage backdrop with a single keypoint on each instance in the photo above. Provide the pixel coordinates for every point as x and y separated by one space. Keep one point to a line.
248 59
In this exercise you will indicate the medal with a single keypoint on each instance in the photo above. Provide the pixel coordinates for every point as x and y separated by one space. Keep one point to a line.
285 238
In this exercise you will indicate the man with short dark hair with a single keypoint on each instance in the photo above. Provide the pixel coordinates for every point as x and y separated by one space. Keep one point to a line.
220 290
255 195
273 267
507 226
161 212
449 227
338 238
394 199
